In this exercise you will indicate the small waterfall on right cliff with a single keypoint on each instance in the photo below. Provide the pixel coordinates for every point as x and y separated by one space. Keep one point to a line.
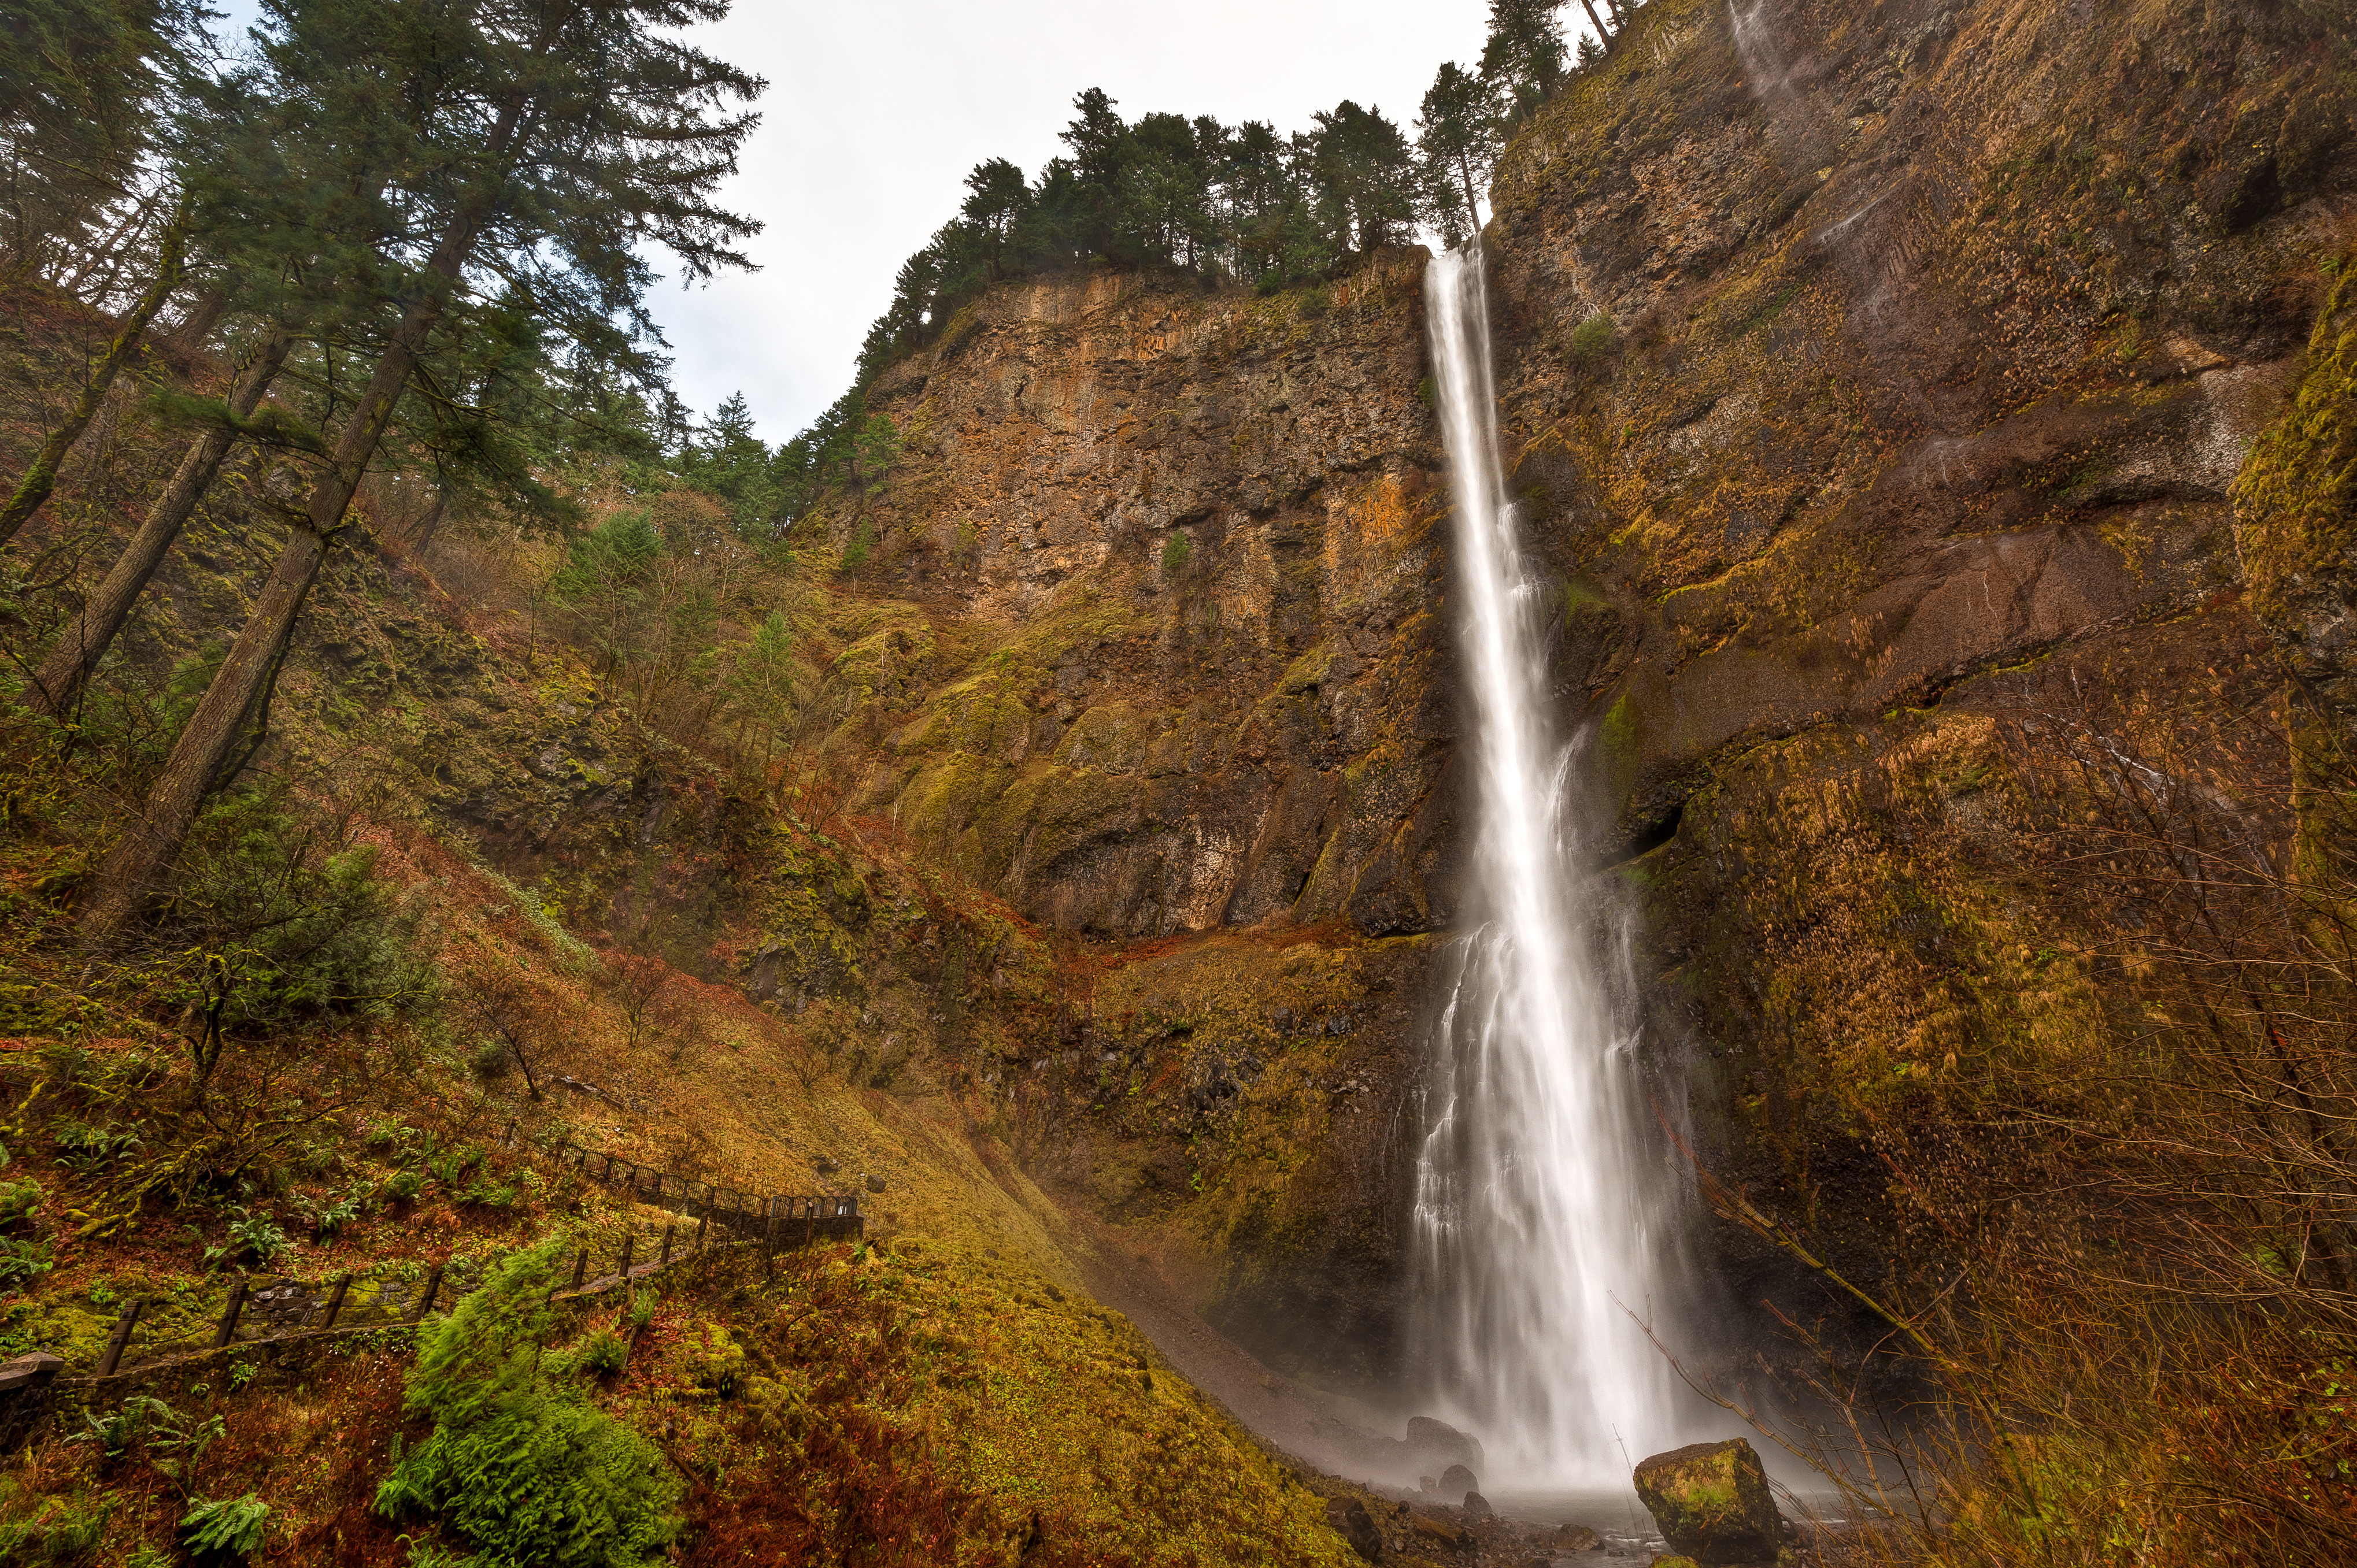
1539 1206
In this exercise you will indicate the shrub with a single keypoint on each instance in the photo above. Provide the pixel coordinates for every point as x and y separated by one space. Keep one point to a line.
17 1198
602 1354
492 1061
856 553
1593 335
22 1261
1175 551
271 918
224 1531
334 1213
524 1471
60 1532
85 1149
251 1235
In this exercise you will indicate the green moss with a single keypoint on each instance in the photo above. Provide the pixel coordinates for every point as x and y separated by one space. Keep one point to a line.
2296 500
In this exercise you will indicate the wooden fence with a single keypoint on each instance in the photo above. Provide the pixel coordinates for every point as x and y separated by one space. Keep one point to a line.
783 1220
274 1310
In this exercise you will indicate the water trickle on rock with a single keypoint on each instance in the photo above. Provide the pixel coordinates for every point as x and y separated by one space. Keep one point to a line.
1537 1201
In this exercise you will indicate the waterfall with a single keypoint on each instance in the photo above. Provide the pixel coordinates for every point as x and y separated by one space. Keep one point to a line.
1535 1190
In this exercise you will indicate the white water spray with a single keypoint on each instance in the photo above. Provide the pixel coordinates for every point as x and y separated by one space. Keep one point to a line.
1536 1200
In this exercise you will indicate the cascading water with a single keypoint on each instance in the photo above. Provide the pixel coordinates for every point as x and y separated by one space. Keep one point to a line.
1536 1200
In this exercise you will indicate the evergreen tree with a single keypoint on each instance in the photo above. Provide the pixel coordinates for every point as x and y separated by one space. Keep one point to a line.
1364 177
83 86
582 132
732 462
1458 137
1101 217
1523 59
996 198
1169 190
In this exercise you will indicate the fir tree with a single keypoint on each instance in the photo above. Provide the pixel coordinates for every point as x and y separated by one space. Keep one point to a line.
996 198
1458 137
582 133
1364 177
1523 59
83 86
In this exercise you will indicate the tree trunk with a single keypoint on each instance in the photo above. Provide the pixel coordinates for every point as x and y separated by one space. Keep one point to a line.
189 333
1473 210
42 476
239 695
58 684
1603 34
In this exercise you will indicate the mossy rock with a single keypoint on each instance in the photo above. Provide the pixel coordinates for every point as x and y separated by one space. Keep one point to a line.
1711 1502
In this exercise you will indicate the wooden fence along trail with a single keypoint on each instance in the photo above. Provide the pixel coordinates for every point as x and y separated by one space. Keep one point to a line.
284 1310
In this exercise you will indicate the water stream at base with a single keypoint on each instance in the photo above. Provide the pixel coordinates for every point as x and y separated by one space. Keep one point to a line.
1539 1208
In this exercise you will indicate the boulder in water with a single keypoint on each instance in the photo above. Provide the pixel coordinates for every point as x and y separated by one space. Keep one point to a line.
1456 1481
1477 1505
1349 1516
1711 1502
1427 1483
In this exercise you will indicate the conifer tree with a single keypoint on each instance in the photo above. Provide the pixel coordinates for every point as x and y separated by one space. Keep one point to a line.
82 86
1459 136
573 135
996 198
40 476
1366 178
289 214
1523 59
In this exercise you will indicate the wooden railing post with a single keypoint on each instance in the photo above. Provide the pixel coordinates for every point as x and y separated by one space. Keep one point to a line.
230 1314
629 1248
426 1299
121 1337
665 1261
336 1301
702 1223
580 1268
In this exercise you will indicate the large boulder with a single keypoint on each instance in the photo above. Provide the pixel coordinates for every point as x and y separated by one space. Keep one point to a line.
1442 1444
1456 1481
1349 1518
1711 1502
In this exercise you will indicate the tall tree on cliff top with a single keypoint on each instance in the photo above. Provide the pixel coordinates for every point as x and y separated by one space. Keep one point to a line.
1366 178
1458 137
582 132
1100 161
1525 58
996 197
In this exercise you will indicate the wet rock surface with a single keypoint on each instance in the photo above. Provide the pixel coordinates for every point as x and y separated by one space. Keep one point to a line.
1711 1502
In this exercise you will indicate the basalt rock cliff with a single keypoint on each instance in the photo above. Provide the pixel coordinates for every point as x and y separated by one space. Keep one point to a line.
1874 377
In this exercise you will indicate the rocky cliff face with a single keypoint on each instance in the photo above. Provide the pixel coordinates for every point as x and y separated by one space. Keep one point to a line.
1874 377
1196 536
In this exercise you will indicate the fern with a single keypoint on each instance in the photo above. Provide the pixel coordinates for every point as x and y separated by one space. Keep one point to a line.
522 1470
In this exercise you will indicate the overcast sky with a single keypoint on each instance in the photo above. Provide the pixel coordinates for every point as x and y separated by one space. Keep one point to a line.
877 108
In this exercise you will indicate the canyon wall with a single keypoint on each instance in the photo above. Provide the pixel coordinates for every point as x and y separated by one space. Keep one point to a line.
1876 378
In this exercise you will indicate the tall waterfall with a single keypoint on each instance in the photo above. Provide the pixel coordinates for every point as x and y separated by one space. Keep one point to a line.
1535 1194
